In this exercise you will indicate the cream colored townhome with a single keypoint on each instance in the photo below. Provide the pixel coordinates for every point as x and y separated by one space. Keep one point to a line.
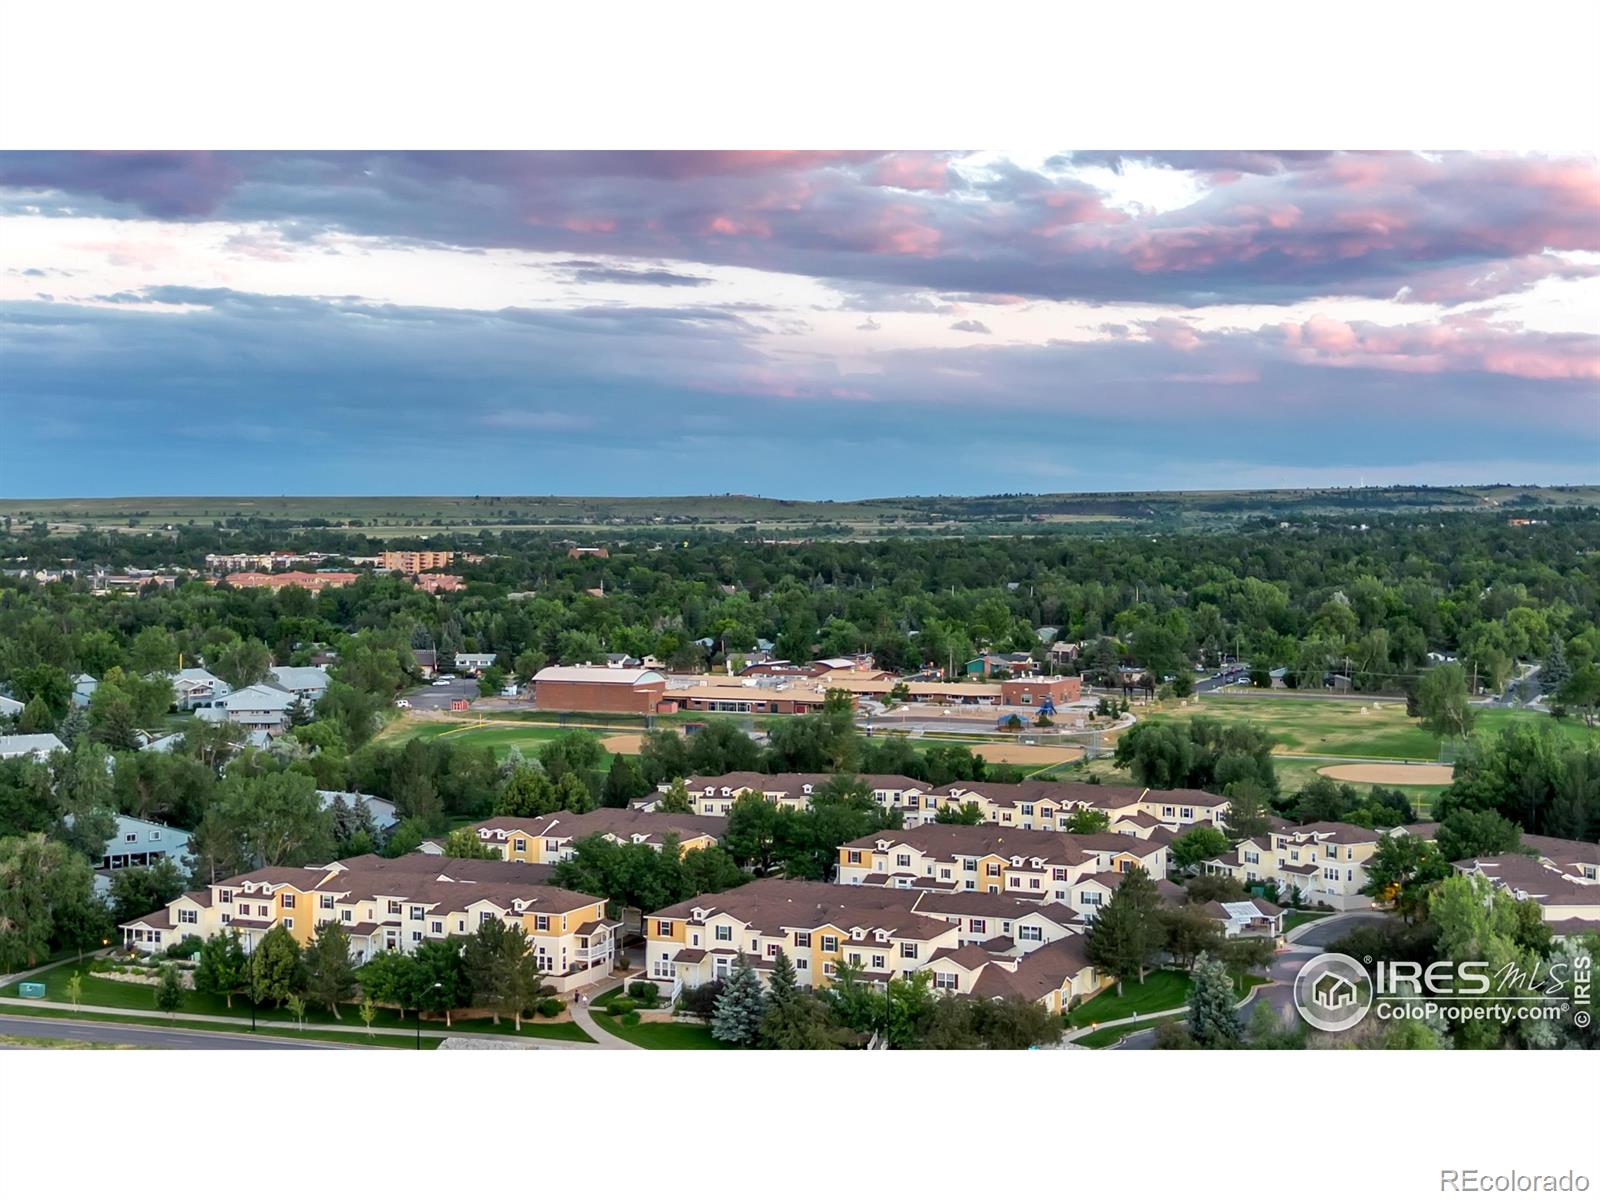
989 858
550 839
1562 876
1325 862
714 795
398 904
884 933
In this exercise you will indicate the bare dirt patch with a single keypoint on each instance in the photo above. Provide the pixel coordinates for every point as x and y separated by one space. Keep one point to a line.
1390 773
1027 756
624 743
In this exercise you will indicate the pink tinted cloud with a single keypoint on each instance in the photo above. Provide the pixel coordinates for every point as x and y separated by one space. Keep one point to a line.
1457 343
913 172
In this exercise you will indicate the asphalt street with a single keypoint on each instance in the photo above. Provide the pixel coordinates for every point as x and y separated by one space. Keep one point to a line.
436 696
109 1033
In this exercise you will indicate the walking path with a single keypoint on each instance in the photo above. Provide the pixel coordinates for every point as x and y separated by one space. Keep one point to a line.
586 1022
1085 1030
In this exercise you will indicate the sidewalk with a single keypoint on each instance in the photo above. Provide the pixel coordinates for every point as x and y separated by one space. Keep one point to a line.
1074 1034
586 1022
353 1032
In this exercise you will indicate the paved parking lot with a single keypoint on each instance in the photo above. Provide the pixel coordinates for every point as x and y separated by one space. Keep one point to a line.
437 696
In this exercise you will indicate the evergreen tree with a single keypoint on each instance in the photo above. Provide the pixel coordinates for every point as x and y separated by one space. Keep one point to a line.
740 1009
1553 672
623 783
330 975
1213 1020
795 1020
169 989
1127 932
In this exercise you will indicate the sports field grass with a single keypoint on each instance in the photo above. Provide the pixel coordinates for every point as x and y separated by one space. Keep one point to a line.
499 738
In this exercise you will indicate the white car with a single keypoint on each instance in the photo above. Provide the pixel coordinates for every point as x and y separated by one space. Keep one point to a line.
402 704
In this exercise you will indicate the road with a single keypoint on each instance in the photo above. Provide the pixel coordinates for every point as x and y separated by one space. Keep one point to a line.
1285 966
108 1033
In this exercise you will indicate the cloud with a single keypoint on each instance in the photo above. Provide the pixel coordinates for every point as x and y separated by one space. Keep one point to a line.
1268 227
970 326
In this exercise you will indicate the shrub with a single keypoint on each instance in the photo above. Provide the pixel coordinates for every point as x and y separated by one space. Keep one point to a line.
619 1006
187 948
630 1018
645 992
701 1001
550 1007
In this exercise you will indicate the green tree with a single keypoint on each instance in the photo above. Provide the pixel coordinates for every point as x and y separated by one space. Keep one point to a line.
169 989
623 783
970 813
330 974
242 663
1402 871
1126 933
47 902
277 970
795 1020
1472 833
139 891
464 843
75 990
1196 845
1248 814
1213 1018
675 799
740 1009
751 835
1443 701
1581 692
222 968
1089 820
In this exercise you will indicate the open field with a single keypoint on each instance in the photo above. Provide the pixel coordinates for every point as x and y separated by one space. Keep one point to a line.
498 736
1389 774
411 516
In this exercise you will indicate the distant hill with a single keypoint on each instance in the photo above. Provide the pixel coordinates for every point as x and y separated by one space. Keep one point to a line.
1084 512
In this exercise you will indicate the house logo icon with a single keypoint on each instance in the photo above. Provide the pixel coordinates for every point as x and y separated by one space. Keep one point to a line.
1332 992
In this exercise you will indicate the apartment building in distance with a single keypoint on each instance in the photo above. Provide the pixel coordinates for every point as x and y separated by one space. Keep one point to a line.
412 562
549 839
398 904
1139 812
312 581
882 933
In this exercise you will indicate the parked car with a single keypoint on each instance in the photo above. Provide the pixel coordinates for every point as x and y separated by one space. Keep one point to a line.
443 682
402 703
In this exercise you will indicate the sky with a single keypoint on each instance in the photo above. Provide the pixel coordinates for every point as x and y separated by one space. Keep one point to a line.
800 324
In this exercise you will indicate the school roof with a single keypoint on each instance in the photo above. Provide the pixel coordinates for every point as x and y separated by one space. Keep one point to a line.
624 676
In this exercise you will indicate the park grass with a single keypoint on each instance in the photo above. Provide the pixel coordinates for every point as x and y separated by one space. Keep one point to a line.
653 1035
113 993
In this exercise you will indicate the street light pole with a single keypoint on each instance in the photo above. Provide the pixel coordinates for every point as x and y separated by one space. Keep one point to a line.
254 979
437 988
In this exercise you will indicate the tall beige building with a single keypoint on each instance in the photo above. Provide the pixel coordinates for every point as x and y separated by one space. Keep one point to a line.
410 562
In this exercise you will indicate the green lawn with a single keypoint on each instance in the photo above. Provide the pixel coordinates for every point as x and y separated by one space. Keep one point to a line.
1293 920
1160 990
662 1035
1101 1038
111 993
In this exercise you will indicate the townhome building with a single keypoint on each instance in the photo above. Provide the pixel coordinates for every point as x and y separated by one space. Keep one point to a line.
259 707
550 839
1324 862
987 858
399 904
1042 804
309 683
193 687
1562 876
714 795
881 933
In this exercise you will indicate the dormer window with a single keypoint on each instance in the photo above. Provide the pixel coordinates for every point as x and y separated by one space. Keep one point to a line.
806 789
